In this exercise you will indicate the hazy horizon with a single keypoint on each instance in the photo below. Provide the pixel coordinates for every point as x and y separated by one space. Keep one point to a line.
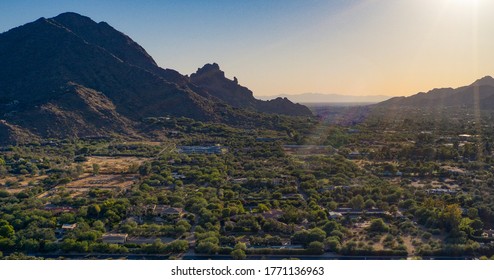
352 47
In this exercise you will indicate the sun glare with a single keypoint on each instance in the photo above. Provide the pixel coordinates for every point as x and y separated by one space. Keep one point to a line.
468 3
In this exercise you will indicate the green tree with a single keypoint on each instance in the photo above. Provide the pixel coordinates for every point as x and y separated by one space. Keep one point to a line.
238 254
316 234
94 210
241 246
369 204
207 247
378 225
333 243
96 168
262 208
177 246
357 202
316 247
145 169
451 216
7 231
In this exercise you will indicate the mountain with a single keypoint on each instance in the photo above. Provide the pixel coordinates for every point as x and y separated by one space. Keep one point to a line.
213 81
309 98
478 94
70 76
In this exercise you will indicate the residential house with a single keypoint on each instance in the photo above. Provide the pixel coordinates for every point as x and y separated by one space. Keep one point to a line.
217 149
115 238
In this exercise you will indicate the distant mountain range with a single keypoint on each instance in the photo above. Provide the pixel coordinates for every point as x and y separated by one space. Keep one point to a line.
307 98
479 94
69 76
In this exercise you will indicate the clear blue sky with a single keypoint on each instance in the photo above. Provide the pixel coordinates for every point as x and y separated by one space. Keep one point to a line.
363 47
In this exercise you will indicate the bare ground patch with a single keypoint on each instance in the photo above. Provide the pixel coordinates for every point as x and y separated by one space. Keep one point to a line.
110 165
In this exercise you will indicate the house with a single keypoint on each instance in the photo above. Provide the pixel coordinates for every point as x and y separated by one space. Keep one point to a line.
465 137
354 212
267 139
273 214
59 209
166 211
488 233
308 149
284 180
115 238
354 155
441 191
292 196
66 227
240 180
334 215
209 150
175 175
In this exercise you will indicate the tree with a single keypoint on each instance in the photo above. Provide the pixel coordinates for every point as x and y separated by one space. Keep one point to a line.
316 247
94 210
96 169
177 246
262 208
100 226
145 169
7 231
316 234
238 254
357 202
451 216
378 225
333 243
369 204
133 168
207 247
241 246
473 213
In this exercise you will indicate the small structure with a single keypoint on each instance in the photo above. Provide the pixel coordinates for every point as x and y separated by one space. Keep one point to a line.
217 149
334 215
115 238
284 180
355 155
239 180
488 233
308 149
273 214
66 227
267 139
58 209
465 137
166 211
441 191
175 175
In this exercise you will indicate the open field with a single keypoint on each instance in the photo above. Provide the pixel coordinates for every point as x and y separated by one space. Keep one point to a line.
19 183
110 165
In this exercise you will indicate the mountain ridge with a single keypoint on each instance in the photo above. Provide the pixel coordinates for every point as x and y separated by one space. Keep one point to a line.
306 98
479 94
68 76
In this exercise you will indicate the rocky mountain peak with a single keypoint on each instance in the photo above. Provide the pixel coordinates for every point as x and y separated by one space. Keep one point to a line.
209 70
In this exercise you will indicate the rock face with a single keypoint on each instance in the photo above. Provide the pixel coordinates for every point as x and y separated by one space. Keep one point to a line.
480 94
70 76
214 82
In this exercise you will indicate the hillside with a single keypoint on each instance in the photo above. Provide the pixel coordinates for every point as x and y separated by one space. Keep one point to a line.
479 94
69 76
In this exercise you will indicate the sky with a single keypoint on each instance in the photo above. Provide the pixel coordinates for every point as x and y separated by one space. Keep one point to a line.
352 47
